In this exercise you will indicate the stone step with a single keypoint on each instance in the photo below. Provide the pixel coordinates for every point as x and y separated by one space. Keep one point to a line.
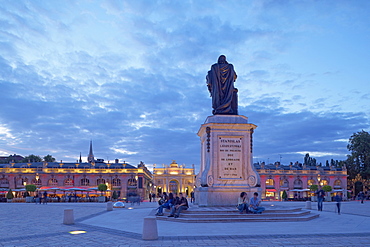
231 214
237 215
260 218
234 210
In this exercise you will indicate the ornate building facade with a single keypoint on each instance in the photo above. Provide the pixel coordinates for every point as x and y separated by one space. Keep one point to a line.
174 178
120 177
296 180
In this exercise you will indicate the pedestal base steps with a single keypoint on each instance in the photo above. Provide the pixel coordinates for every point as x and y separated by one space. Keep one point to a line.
231 214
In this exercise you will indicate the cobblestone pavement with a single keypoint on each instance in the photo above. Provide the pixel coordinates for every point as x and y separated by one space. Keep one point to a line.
41 225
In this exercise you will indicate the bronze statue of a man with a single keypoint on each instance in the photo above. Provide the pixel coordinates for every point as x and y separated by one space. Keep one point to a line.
220 82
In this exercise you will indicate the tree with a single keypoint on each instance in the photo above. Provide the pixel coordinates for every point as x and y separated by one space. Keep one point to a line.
102 187
9 195
327 188
284 195
49 158
31 187
359 159
314 187
32 158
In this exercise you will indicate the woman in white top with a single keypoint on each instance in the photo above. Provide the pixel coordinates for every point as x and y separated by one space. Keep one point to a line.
243 203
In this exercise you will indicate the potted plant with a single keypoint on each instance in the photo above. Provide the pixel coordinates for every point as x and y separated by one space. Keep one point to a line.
9 195
314 188
30 188
284 195
101 188
327 189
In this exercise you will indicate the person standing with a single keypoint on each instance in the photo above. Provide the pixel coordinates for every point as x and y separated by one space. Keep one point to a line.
150 197
192 197
361 196
338 198
45 198
320 198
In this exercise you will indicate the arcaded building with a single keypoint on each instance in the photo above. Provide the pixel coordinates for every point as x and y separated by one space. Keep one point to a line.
173 178
297 179
120 177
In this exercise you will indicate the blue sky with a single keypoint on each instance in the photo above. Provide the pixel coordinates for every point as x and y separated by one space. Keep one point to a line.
130 75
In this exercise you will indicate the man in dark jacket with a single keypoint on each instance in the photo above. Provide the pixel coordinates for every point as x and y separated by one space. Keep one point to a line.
180 204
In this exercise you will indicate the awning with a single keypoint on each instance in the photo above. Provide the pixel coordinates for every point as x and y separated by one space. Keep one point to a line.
300 190
270 190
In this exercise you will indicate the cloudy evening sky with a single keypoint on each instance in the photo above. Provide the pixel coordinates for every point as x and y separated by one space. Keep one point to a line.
130 75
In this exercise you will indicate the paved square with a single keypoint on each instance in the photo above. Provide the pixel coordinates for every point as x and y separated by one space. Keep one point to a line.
25 224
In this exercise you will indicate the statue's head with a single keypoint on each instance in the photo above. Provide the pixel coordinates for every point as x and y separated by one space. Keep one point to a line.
222 59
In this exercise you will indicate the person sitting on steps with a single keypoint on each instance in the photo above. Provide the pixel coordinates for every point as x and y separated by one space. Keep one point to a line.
255 204
243 203
168 204
180 204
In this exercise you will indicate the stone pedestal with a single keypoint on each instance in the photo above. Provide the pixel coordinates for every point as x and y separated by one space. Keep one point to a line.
109 206
150 231
308 205
226 161
68 217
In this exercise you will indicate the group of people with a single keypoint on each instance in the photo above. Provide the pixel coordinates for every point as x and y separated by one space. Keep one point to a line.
41 197
320 198
249 206
175 203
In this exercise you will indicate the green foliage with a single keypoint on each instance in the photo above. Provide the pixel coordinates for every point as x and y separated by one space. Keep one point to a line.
49 158
102 187
359 159
115 195
284 195
10 195
31 187
327 188
314 187
32 158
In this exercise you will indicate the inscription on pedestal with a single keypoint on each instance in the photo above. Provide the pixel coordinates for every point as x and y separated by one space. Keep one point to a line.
230 157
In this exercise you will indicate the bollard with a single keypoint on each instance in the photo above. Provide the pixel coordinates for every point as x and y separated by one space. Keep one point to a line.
150 231
109 206
308 204
68 217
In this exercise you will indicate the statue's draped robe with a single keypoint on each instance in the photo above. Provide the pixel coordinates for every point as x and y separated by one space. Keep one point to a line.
220 80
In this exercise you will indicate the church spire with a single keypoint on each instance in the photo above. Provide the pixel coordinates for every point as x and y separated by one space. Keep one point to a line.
91 158
80 158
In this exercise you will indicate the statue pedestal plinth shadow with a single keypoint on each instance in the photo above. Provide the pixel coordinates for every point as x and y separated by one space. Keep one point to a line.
226 161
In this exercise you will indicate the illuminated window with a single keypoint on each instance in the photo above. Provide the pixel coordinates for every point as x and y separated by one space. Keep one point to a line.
284 183
85 182
68 182
36 181
310 182
324 182
270 183
298 184
100 181
53 181
116 182
337 183
132 183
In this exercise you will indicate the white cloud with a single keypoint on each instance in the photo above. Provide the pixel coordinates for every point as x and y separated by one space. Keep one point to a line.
133 73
